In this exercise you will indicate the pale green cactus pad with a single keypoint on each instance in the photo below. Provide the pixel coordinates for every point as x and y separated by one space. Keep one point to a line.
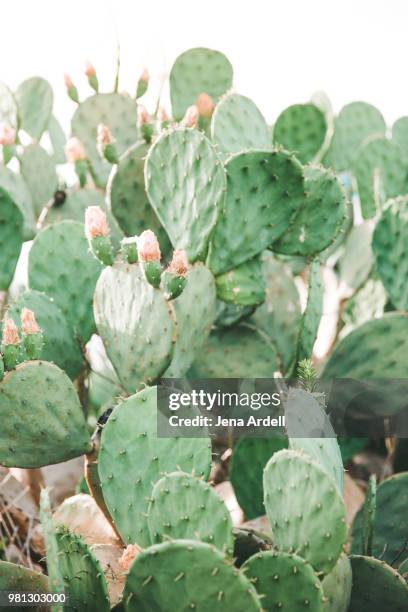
8 107
185 183
376 585
301 128
337 586
312 315
58 140
15 577
39 173
357 261
17 189
243 285
11 238
34 99
400 134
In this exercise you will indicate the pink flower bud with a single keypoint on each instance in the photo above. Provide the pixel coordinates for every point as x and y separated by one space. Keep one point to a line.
10 332
179 263
129 555
142 115
205 105
104 136
28 323
191 116
89 69
145 75
96 223
68 82
7 134
148 247
74 150
162 114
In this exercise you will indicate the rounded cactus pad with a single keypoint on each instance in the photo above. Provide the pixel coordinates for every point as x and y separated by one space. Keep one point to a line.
400 134
355 123
70 280
243 285
185 182
321 217
119 113
249 457
390 245
337 586
184 507
39 173
264 192
187 575
305 509
42 418
34 99
376 586
376 349
285 581
132 458
237 124
136 325
390 528
60 344
15 577
195 311
11 238
17 189
301 128
198 71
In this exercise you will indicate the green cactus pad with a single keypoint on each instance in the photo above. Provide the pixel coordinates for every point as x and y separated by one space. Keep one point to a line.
390 245
38 171
321 218
136 325
237 124
118 113
83 577
301 128
34 99
71 279
369 510
376 349
55 581
230 314
381 173
326 452
243 285
236 352
128 200
198 71
60 345
195 311
355 123
305 509
285 581
185 183
367 303
357 260
11 238
249 457
42 419
183 507
17 189
400 135
376 586
264 192
132 458
18 578
187 575
337 586
279 316
390 522
58 140
311 317
8 107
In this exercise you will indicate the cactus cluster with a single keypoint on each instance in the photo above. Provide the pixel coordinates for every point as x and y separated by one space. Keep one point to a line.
202 242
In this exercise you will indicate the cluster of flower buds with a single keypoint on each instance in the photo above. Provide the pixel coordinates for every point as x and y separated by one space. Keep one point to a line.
12 349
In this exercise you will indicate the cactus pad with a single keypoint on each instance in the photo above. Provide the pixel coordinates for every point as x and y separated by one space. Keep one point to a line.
18 578
237 124
285 581
71 279
38 170
311 316
400 135
185 183
195 72
55 430
8 107
136 325
17 189
11 238
301 128
243 285
34 99
183 507
337 586
132 458
264 192
193 575
376 585
315 530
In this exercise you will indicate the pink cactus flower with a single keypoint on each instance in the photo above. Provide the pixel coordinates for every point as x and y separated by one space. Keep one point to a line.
28 323
191 117
179 263
104 136
74 150
10 332
7 134
89 69
129 555
143 116
68 81
145 75
148 247
96 223
205 105
162 114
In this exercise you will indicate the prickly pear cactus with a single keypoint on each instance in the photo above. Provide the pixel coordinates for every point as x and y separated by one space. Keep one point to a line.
301 128
11 238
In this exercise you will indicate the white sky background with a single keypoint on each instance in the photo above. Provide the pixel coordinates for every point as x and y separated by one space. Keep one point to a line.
282 50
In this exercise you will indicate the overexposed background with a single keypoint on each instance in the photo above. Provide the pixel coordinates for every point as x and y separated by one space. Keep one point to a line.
282 50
